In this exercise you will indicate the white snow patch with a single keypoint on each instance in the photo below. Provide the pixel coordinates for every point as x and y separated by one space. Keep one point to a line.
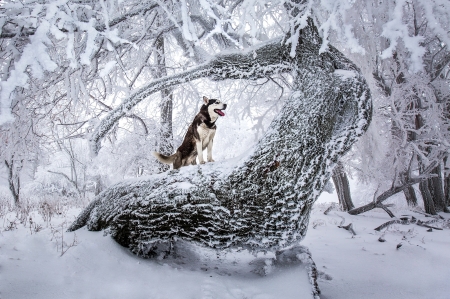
100 268
362 267
182 185
107 68
345 74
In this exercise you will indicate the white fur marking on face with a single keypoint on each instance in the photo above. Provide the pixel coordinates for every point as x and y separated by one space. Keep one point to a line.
211 111
212 114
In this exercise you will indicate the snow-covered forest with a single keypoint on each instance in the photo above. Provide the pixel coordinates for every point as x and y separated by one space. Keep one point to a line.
338 116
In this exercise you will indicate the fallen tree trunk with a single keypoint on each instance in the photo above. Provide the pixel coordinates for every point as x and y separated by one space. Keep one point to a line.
265 201
407 220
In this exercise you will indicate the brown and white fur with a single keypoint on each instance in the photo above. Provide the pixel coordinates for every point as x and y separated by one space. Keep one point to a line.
199 136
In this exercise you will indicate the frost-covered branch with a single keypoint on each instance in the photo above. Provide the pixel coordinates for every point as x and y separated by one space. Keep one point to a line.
257 63
68 179
378 202
20 31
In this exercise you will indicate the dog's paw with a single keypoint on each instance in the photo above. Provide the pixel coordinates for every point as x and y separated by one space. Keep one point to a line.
202 162
211 160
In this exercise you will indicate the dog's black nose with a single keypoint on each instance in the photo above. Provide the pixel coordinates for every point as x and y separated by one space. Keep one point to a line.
224 106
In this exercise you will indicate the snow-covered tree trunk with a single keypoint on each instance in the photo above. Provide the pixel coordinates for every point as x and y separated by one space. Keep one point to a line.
446 181
341 183
166 106
410 195
265 201
13 180
427 198
437 190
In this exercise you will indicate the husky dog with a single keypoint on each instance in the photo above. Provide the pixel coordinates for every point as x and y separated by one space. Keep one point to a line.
199 136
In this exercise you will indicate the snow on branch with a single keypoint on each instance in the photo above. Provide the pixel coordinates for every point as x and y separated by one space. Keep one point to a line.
98 27
378 201
252 64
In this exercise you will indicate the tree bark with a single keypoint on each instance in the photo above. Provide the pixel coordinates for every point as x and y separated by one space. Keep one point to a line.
265 201
340 181
166 105
410 195
13 182
99 185
437 190
426 196
446 182
447 189
427 187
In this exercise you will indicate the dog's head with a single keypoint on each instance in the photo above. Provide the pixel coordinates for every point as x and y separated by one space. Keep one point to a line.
214 107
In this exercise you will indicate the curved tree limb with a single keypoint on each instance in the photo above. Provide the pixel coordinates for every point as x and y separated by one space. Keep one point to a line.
269 59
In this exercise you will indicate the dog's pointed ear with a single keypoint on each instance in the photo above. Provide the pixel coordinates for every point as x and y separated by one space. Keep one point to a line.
205 100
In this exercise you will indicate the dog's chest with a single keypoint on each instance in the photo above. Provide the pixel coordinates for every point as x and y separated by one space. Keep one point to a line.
204 132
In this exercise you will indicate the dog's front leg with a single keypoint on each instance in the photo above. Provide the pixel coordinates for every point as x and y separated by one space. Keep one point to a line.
210 145
200 151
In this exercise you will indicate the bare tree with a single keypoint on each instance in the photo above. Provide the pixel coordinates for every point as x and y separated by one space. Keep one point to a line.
410 85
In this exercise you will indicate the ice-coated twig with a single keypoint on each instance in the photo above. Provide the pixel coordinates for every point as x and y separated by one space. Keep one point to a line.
348 227
342 220
429 215
330 208
421 223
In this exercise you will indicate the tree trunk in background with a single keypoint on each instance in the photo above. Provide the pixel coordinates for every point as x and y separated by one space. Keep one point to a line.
447 190
166 106
409 192
427 199
428 188
410 195
446 182
13 182
99 185
437 190
340 181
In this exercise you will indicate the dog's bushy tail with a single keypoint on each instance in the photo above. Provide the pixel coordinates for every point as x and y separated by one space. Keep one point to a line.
165 159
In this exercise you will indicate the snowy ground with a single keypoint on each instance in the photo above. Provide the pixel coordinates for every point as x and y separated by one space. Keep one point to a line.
363 267
31 265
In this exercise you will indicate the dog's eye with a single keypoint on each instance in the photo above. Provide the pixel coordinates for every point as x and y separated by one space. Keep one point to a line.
217 102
